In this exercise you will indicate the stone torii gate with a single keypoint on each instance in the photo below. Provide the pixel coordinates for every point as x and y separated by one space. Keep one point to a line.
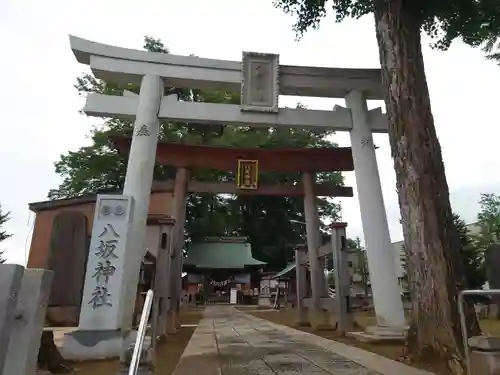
261 79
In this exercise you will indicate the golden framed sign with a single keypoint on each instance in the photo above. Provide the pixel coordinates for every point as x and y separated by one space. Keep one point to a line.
248 174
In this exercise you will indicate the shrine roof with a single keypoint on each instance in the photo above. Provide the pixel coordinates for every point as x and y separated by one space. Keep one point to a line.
285 271
221 255
225 158
153 219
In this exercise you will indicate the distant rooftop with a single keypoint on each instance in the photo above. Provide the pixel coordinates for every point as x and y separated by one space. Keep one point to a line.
223 253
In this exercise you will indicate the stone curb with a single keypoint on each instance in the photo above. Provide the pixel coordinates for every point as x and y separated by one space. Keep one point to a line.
200 355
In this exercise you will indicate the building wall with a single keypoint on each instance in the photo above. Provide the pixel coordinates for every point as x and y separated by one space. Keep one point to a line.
160 203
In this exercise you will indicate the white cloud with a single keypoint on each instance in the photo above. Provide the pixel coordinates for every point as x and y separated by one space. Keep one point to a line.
40 106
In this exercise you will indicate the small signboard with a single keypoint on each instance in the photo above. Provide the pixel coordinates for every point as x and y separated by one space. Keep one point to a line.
248 174
259 82
234 296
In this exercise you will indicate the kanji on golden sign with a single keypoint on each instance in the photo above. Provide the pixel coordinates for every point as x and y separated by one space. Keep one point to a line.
248 174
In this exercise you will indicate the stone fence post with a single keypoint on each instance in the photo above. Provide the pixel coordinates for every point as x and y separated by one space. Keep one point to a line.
11 276
23 317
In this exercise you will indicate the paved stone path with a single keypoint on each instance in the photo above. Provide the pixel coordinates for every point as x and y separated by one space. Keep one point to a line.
230 342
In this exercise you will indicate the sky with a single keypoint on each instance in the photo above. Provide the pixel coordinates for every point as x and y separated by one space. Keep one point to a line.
40 107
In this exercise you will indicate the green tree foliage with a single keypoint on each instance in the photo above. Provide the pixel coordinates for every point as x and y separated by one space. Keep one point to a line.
421 182
473 21
267 221
488 230
488 221
4 217
354 244
471 256
492 44
492 49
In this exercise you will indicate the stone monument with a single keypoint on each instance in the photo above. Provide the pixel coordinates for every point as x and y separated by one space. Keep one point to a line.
104 330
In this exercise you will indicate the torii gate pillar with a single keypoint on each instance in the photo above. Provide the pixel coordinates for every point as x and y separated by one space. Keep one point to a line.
385 287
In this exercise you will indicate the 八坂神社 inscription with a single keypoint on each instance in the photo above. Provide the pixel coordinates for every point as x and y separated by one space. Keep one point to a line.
108 240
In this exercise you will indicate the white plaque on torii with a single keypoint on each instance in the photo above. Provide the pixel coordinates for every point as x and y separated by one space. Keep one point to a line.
259 82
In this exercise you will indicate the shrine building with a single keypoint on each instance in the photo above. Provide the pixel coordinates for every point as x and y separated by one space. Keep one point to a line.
216 266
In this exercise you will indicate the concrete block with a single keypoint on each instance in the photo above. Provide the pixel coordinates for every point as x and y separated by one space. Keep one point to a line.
485 343
387 331
380 334
374 339
29 322
10 283
485 363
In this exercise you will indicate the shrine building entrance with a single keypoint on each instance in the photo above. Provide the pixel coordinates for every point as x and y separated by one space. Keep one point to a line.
219 266
214 266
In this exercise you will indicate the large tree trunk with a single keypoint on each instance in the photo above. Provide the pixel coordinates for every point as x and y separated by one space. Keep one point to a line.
431 239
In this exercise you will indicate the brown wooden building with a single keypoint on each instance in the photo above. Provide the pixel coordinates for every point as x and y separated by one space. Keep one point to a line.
60 241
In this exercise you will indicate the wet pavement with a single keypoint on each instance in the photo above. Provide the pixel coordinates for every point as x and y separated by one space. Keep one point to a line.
230 342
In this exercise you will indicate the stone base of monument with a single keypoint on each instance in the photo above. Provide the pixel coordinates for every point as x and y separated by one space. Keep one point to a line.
380 334
485 355
84 345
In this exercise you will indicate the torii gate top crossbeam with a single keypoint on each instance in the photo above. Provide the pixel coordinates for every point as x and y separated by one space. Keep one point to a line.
122 65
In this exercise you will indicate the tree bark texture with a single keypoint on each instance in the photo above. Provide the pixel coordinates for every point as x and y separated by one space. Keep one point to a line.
435 273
